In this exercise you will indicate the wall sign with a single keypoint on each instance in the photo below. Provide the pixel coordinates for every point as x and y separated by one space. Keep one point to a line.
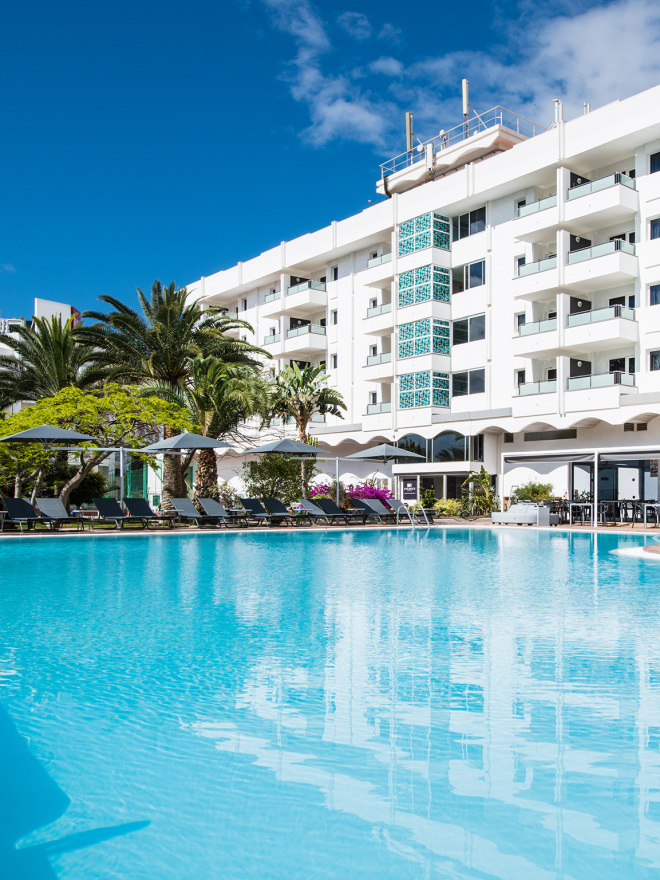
409 488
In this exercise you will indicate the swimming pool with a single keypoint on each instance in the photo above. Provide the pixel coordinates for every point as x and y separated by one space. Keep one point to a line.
348 704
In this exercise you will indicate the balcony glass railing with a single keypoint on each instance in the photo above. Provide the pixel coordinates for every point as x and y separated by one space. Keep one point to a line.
534 207
538 266
375 408
601 183
377 261
271 296
233 316
307 285
306 328
537 327
601 380
545 387
318 417
379 310
596 315
274 337
601 250
384 358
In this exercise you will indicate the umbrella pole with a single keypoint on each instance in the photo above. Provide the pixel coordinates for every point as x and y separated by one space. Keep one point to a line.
337 480
121 473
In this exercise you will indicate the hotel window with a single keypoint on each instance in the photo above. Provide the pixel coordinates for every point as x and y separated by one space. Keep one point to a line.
520 377
334 316
521 320
333 361
654 295
655 228
474 274
617 365
654 360
655 163
468 382
373 397
335 273
469 329
469 224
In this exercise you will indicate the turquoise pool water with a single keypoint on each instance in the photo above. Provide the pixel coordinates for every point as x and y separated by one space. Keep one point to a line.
442 704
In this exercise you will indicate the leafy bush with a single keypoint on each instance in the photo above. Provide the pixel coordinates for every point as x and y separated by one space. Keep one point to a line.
225 494
427 497
276 476
533 491
448 506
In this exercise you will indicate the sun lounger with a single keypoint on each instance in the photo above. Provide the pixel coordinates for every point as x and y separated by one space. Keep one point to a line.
312 511
110 511
277 508
54 511
139 508
373 508
257 511
401 510
329 507
21 512
187 512
211 507
526 514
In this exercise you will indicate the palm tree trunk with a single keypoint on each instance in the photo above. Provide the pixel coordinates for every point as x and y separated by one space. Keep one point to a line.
302 436
173 484
206 478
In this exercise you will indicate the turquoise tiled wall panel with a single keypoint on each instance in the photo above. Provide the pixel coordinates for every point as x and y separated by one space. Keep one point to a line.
422 232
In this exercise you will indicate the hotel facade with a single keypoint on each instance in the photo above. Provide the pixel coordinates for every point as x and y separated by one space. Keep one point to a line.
499 306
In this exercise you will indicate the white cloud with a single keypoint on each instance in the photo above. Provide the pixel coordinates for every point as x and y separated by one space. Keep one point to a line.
387 66
8 268
355 24
597 54
390 32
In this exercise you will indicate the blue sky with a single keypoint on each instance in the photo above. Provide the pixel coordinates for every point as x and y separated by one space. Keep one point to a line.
168 140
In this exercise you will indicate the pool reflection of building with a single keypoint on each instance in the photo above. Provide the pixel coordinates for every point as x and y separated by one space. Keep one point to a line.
478 740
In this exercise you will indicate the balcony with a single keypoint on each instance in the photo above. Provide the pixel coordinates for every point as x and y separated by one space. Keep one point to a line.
273 345
383 309
378 261
301 300
535 399
600 391
537 221
379 368
379 320
538 339
374 409
272 338
601 330
534 280
309 339
547 386
610 264
601 203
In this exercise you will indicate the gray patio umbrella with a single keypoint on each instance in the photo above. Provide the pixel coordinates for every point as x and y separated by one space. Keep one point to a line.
288 447
185 441
385 452
47 434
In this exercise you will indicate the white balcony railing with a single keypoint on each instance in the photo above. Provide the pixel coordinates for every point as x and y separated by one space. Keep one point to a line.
377 261
584 189
383 309
534 207
606 314
384 358
537 327
548 386
273 337
306 328
307 285
538 266
601 250
376 408
601 380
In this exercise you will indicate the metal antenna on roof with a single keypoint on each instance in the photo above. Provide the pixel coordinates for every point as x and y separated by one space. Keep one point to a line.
466 107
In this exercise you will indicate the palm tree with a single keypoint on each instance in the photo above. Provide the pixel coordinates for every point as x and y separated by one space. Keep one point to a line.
48 356
300 394
159 344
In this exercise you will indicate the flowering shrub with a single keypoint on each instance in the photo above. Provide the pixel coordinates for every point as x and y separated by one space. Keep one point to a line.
364 490
321 490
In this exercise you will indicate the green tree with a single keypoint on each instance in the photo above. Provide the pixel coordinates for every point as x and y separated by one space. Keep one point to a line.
300 394
116 415
158 344
48 356
274 476
479 496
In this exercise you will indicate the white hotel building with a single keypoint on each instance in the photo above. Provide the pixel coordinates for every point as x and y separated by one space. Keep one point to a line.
501 305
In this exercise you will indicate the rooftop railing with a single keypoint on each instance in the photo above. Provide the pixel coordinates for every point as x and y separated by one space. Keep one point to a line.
382 309
537 327
600 183
548 386
605 314
376 408
601 250
307 285
478 123
534 207
601 380
383 358
377 261
538 266
306 328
